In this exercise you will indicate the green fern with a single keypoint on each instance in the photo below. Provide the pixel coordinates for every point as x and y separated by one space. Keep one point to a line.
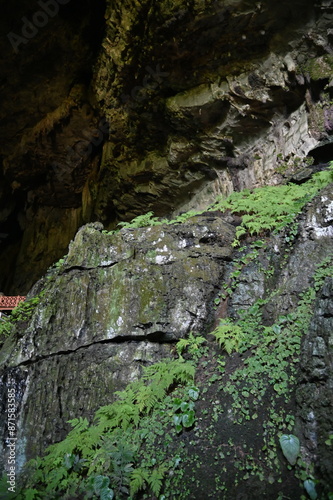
145 220
147 397
156 477
5 327
81 439
170 371
139 479
103 447
22 312
31 494
185 216
192 344
142 476
140 397
229 336
272 207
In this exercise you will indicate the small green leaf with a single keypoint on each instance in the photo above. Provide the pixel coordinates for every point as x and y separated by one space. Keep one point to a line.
290 447
176 404
69 459
188 418
106 494
310 488
177 419
193 393
100 483
184 406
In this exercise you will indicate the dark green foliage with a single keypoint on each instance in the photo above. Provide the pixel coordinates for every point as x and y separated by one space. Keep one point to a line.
5 327
22 312
192 344
101 460
184 410
98 486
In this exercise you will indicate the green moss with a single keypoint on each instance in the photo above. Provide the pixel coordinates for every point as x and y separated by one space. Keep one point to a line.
320 68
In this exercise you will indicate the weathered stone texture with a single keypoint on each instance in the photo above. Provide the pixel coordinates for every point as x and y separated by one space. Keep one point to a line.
186 100
117 303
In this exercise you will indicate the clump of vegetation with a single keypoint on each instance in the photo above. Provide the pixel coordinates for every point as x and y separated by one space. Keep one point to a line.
262 210
145 220
105 459
149 219
22 312
192 344
229 335
272 207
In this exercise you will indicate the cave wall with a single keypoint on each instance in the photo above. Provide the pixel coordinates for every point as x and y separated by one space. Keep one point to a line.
120 302
113 110
162 106
48 120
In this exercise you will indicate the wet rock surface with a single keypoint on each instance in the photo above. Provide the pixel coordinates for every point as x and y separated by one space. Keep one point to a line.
314 395
116 305
120 301
164 106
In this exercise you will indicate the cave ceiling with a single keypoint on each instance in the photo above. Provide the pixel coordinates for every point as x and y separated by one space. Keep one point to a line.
111 109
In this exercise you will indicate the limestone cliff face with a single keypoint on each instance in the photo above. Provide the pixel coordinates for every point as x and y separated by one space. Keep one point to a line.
144 106
162 106
119 302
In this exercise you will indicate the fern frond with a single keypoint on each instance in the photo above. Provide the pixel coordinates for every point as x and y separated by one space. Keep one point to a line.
170 372
139 478
68 445
185 216
147 398
229 336
80 424
181 345
155 480
183 371
141 221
